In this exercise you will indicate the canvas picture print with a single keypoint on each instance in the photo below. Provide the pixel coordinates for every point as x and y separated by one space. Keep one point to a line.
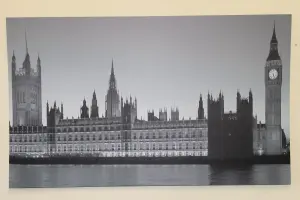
149 101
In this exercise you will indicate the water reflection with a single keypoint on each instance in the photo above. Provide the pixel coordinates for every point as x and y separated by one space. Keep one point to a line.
22 176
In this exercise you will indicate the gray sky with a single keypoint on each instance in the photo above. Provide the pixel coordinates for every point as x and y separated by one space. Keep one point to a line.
163 61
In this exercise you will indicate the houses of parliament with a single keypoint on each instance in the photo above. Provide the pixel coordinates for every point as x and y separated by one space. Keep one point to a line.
120 133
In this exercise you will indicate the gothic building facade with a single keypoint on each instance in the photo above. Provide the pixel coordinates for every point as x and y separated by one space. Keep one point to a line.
218 135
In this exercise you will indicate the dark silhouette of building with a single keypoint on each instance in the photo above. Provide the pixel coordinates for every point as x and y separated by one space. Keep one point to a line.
84 110
174 114
230 135
151 116
94 107
129 110
200 109
163 115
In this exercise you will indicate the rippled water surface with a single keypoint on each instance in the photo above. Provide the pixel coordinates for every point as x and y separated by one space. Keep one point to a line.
22 176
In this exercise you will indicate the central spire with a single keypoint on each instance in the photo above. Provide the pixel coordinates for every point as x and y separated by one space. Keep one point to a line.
112 80
112 66
112 106
26 42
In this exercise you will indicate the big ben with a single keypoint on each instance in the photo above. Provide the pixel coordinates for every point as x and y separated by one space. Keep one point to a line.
273 83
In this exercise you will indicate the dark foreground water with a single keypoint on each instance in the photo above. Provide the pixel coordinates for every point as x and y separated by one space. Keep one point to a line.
28 176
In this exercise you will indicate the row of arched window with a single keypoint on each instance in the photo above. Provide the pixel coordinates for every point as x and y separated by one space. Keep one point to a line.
135 146
28 138
88 129
134 136
26 148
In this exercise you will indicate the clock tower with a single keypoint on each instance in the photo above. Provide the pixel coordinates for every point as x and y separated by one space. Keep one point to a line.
273 82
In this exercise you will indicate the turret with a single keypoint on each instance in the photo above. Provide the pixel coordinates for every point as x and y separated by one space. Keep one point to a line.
94 106
200 108
13 65
38 66
238 100
62 111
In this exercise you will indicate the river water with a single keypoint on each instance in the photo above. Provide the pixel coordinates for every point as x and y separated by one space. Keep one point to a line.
53 176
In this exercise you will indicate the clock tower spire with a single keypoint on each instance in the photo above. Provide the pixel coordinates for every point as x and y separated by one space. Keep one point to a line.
273 82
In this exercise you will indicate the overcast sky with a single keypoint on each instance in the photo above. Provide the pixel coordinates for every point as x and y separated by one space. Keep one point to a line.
163 61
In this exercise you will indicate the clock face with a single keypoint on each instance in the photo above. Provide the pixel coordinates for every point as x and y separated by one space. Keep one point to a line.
273 74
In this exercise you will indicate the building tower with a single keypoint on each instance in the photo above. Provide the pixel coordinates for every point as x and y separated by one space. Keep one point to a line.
163 115
26 92
129 110
94 107
200 109
112 100
273 82
84 110
174 114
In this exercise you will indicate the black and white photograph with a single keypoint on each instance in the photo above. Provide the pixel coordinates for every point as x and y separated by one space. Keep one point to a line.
149 101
